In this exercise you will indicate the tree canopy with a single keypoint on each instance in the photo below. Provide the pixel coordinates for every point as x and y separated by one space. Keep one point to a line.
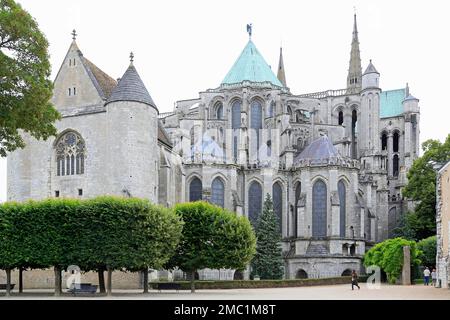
268 261
213 238
421 188
25 87
105 232
388 255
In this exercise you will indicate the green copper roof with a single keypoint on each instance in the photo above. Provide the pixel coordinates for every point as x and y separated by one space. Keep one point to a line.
391 103
251 66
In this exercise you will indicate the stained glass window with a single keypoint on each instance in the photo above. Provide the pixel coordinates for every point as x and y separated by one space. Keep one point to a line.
319 218
277 195
70 154
342 201
195 190
218 192
254 202
235 125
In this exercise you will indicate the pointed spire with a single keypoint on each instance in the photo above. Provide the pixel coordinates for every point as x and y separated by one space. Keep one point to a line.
407 90
355 29
281 73
355 70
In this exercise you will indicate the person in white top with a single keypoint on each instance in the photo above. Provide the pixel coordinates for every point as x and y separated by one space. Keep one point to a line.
426 274
434 277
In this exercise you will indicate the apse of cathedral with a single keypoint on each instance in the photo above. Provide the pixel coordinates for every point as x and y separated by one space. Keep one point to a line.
334 162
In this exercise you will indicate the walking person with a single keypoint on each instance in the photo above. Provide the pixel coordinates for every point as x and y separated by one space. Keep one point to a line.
355 279
434 277
426 275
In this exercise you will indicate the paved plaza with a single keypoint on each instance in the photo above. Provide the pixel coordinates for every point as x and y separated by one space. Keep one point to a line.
341 292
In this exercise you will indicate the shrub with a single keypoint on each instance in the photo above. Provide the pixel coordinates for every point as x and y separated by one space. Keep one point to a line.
428 248
388 255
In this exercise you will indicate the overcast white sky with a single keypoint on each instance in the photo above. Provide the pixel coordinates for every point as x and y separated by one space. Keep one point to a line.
183 47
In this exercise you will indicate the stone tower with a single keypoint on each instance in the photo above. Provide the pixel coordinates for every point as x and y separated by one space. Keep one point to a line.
355 70
132 128
370 102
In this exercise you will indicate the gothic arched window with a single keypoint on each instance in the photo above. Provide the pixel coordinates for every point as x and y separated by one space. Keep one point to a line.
70 154
256 126
384 139
272 109
395 166
319 210
342 207
195 190
218 192
254 202
396 142
219 110
298 191
341 118
277 195
236 125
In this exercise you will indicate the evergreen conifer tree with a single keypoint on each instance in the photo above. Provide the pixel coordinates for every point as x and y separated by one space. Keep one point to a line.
268 261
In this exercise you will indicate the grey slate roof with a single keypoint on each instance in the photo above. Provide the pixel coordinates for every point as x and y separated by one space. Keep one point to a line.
318 150
131 88
102 81
371 68
410 97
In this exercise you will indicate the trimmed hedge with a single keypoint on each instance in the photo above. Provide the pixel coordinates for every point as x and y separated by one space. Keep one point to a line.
248 284
113 232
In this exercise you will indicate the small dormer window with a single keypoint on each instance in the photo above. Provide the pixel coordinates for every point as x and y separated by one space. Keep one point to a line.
74 62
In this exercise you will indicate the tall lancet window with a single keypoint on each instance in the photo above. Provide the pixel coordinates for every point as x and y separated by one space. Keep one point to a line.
256 126
70 154
236 125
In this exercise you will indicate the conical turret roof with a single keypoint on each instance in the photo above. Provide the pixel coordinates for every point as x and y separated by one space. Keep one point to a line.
131 88
371 68
251 66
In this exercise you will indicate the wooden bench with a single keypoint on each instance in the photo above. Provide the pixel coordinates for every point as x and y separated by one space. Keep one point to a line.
82 288
168 286
3 286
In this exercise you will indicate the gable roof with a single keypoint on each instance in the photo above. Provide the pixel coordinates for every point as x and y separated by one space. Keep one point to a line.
251 66
131 88
391 103
102 81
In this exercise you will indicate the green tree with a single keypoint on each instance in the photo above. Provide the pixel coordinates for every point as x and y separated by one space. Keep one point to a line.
428 248
213 238
268 261
388 255
25 88
105 233
421 188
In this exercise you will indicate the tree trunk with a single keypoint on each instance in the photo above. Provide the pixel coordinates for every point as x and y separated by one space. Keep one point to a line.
20 280
8 282
58 279
109 282
193 281
101 279
145 280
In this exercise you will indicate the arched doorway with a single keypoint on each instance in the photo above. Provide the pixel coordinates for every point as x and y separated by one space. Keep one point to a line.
301 274
238 275
346 273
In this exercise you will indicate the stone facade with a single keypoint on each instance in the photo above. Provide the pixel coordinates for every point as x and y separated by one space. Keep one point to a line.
333 161
443 226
